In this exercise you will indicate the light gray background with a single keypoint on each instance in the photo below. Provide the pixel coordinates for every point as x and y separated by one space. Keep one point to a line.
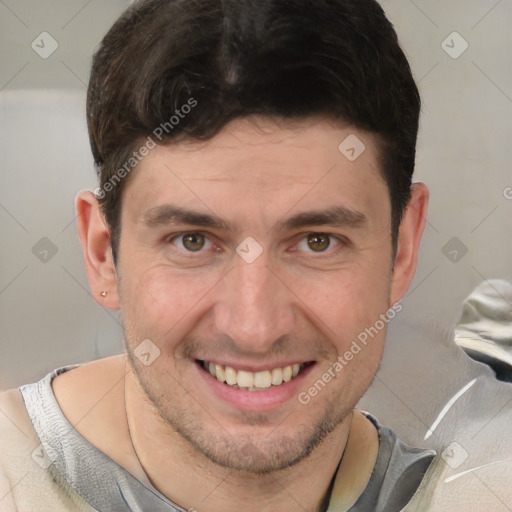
47 315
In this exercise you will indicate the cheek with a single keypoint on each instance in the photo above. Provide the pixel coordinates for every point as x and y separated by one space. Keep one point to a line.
162 302
346 301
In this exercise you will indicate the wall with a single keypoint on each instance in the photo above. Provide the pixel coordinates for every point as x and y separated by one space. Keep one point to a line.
47 315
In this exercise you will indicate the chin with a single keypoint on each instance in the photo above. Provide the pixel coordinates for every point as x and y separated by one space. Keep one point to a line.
252 453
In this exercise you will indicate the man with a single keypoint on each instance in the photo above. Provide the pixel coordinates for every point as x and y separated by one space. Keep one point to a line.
255 215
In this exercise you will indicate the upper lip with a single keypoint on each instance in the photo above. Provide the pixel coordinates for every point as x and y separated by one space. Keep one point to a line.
257 368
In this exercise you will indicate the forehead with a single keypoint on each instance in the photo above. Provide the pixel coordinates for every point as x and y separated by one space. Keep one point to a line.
259 161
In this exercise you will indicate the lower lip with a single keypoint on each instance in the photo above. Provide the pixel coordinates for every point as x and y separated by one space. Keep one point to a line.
255 400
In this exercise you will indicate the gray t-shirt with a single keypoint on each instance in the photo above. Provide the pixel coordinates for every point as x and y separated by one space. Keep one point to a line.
106 486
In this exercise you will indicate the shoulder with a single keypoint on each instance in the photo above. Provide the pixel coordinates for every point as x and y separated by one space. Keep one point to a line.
18 449
90 380
14 420
91 397
10 399
28 480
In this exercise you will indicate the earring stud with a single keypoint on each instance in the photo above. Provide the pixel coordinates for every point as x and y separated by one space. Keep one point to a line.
103 293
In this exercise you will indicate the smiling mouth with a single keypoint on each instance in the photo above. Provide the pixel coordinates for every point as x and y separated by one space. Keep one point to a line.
253 381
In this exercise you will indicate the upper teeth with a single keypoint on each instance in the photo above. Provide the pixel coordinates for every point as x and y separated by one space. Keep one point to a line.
252 380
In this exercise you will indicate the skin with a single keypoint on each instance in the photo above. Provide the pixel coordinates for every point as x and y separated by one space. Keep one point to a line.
291 305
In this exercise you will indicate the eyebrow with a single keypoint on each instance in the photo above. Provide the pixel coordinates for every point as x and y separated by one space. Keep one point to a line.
339 216
169 214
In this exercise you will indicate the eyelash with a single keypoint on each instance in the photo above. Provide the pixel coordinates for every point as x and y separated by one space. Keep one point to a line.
172 238
340 242
330 249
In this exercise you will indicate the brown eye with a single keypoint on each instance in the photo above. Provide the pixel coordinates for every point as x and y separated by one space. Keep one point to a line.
318 242
193 241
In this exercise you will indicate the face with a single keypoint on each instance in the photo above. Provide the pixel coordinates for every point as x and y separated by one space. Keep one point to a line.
260 255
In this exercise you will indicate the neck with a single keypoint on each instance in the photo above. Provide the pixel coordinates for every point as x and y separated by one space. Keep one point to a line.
174 467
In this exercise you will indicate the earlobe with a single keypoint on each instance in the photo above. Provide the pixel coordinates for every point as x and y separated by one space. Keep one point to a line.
409 239
95 238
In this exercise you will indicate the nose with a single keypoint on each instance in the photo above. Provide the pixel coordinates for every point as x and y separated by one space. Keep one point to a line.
254 307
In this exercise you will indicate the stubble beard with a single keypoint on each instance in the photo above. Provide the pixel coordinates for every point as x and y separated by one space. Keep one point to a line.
250 454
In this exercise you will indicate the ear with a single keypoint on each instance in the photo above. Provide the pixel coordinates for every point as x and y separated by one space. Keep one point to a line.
408 244
99 262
